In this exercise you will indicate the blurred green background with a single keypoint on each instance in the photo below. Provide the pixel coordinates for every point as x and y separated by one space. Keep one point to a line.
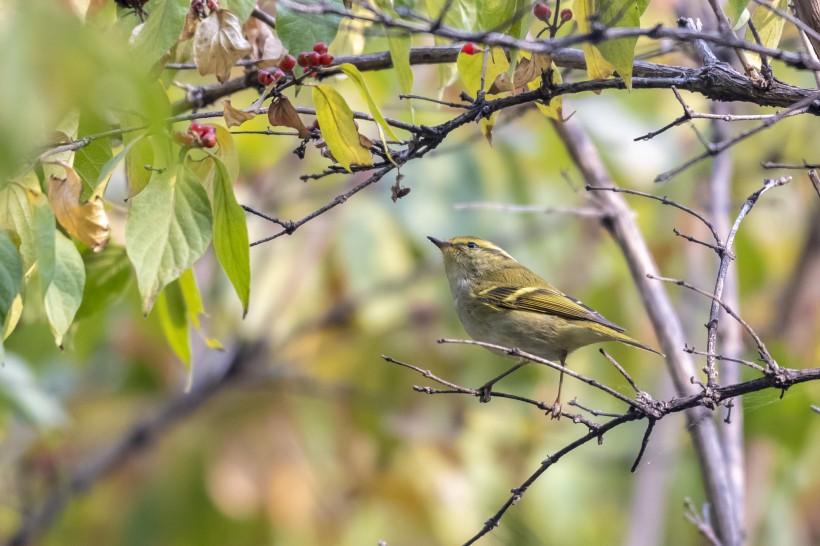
330 444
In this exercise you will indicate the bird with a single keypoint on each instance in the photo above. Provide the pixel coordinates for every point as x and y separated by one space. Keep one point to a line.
500 301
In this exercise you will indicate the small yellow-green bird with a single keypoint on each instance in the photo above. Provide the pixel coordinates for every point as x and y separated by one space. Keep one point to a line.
500 301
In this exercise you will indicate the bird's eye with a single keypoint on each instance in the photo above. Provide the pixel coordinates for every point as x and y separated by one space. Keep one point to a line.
472 245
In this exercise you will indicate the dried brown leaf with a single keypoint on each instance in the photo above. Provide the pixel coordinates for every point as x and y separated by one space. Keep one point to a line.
87 221
526 71
282 114
266 48
233 116
218 44
190 26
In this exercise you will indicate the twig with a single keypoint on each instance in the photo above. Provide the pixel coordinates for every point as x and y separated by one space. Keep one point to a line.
702 525
650 425
693 351
512 351
761 346
622 225
715 149
586 212
622 371
664 200
775 165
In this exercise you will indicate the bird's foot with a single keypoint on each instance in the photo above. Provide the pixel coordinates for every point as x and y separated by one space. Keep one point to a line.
485 393
555 412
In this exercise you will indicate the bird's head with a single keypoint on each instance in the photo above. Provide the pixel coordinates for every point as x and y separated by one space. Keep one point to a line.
470 256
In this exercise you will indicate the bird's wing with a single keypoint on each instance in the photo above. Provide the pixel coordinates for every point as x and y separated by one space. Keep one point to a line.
548 301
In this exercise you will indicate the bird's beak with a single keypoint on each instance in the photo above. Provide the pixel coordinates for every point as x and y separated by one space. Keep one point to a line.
440 244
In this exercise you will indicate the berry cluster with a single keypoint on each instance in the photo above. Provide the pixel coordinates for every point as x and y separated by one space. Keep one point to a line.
266 78
198 7
202 136
318 57
543 12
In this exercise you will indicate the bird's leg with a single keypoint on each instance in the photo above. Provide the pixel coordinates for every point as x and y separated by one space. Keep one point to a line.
556 406
485 390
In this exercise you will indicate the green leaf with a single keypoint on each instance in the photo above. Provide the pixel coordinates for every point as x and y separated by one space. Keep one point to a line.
193 300
11 274
231 243
620 53
167 230
299 31
734 9
45 229
460 14
160 31
227 151
21 392
90 160
107 275
65 291
16 215
524 18
171 312
769 27
339 131
496 15
241 8
105 172
399 45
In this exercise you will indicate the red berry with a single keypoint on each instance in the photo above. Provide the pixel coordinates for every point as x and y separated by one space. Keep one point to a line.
313 58
278 74
320 47
213 5
262 76
195 127
209 140
566 15
301 60
469 49
542 11
326 59
287 63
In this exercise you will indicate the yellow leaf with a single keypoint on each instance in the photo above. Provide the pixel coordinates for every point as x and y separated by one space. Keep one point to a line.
339 131
769 27
554 109
471 66
218 44
234 117
598 68
357 78
87 221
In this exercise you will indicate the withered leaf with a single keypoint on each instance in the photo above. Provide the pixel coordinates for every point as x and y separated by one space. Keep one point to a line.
87 221
282 113
526 71
266 48
234 116
190 26
218 44
397 191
